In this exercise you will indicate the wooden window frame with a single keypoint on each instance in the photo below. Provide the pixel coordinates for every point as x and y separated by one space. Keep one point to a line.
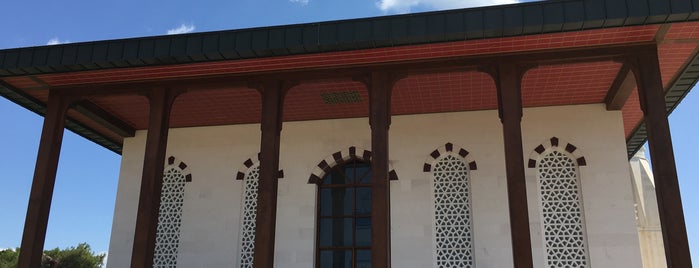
354 185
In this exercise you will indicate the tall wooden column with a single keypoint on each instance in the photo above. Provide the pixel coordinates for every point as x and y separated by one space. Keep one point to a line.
380 86
272 103
508 79
650 88
43 183
161 101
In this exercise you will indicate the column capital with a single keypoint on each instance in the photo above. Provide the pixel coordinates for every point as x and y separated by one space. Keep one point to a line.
638 57
272 93
380 87
645 66
379 79
508 82
166 95
66 100
267 85
496 69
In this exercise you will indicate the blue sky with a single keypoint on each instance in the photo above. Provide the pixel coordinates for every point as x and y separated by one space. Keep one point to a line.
85 190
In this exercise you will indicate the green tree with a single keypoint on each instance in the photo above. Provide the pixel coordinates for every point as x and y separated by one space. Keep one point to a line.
81 256
9 257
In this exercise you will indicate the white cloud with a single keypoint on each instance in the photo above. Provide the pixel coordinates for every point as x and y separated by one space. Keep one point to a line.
404 6
300 2
184 28
56 41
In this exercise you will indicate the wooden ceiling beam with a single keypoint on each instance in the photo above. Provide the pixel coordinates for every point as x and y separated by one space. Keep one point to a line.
621 89
428 66
104 118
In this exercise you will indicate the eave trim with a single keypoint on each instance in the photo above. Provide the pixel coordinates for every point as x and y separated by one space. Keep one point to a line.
354 34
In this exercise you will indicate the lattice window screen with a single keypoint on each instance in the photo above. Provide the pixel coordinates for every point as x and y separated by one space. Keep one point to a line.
563 219
167 239
452 206
247 227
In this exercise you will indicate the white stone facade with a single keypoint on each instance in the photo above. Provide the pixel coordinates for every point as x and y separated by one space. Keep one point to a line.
213 199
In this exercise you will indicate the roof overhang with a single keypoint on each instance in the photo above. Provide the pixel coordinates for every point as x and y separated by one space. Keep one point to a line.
574 44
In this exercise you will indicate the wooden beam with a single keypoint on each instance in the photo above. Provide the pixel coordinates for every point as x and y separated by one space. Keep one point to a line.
161 100
621 89
37 106
508 80
104 118
650 88
144 87
43 182
265 225
380 86
663 29
411 67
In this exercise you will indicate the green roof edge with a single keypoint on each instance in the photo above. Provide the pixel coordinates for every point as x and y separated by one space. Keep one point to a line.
364 33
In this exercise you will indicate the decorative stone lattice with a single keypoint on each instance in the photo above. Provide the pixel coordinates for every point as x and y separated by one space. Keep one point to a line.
247 227
167 239
452 204
563 221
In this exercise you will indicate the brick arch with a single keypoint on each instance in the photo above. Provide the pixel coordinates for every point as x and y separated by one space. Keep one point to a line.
448 148
248 164
340 157
556 143
173 162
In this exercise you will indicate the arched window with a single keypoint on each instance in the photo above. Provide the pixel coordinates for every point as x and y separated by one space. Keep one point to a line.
452 212
249 215
167 240
344 216
562 210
